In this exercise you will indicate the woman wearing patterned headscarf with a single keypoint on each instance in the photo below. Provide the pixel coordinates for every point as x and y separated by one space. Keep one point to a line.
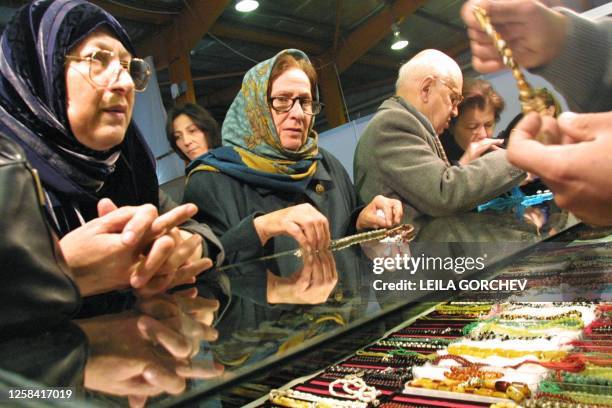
67 83
270 177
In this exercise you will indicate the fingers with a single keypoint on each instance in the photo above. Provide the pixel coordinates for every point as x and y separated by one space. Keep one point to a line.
315 227
328 264
139 224
157 285
159 307
391 209
174 343
583 127
168 253
105 206
173 218
307 226
187 273
137 401
304 278
549 162
201 369
201 310
295 231
398 211
115 221
386 206
317 277
164 379
480 147
160 251
309 229
190 293
182 252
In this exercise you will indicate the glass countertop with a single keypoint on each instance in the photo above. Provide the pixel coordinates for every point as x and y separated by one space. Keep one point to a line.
257 314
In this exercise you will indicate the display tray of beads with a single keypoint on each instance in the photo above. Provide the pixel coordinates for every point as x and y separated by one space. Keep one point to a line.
426 392
474 389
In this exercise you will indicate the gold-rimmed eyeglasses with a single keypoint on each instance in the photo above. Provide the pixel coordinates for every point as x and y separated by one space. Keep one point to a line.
455 97
103 70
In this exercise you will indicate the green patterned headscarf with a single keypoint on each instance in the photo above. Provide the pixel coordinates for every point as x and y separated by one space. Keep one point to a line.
252 150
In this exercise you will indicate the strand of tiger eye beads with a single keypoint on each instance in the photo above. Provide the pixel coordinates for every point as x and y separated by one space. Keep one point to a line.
465 373
529 101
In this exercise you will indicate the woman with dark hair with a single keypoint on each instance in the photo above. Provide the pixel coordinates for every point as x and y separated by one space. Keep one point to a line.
67 82
271 178
470 133
192 131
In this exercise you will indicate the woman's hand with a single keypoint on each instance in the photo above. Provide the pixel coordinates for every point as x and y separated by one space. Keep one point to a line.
178 266
303 222
310 285
477 149
140 356
108 253
382 212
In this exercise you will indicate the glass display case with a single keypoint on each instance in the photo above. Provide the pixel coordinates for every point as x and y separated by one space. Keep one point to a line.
290 315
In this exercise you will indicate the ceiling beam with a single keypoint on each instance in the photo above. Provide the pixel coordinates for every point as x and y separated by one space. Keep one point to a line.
184 32
127 13
265 38
370 33
283 42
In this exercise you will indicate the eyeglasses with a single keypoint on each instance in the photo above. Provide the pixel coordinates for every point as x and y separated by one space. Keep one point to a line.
283 104
102 71
456 98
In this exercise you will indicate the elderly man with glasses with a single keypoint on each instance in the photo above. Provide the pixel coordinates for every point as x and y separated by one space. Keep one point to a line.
400 155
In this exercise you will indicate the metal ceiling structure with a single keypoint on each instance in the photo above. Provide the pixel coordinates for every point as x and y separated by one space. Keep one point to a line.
208 45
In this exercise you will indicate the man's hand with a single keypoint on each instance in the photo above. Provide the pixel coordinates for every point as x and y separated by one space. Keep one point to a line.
578 170
381 212
535 33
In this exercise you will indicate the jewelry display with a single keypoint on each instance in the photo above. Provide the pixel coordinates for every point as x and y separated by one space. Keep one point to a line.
569 314
580 366
405 359
490 388
463 308
487 352
458 359
355 387
298 398
434 340
490 335
542 305
563 322
447 331
465 373
412 344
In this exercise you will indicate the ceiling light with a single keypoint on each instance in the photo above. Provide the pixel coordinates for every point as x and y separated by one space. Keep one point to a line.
245 6
399 42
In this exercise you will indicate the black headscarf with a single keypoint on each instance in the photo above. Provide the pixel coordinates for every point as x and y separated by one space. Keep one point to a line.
33 113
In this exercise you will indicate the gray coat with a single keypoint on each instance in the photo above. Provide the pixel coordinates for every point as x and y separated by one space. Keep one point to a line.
397 156
582 72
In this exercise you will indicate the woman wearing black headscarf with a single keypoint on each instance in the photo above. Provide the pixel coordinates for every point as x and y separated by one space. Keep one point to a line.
67 82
